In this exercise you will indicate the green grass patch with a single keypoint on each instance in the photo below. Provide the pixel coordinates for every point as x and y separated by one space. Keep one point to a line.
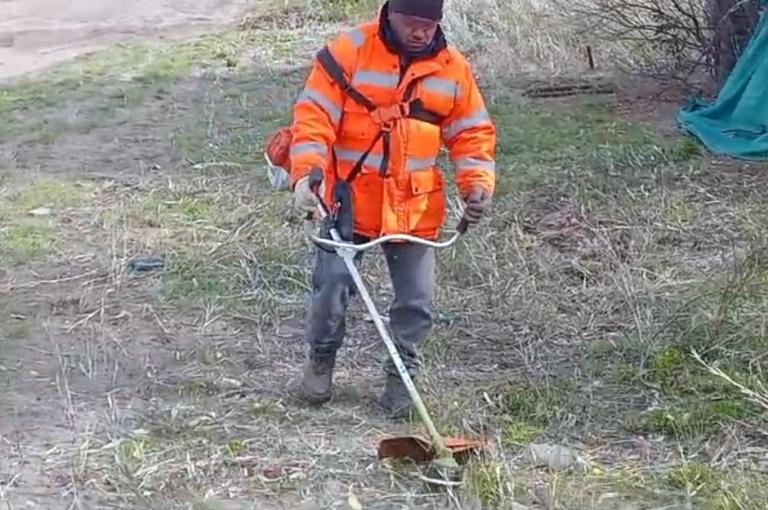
112 84
48 192
288 12
518 432
127 64
530 410
28 239
721 320
533 402
222 247
33 213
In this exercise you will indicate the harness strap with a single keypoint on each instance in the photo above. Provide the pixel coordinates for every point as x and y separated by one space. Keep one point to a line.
385 116
336 71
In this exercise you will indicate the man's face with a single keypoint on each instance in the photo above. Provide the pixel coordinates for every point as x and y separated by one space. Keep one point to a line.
415 33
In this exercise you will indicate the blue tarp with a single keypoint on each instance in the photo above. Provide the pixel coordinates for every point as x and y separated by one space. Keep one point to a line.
736 123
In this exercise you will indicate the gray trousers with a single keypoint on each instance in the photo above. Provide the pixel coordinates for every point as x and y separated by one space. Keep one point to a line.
411 269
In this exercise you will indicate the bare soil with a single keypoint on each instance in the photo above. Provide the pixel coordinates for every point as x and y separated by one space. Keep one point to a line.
37 33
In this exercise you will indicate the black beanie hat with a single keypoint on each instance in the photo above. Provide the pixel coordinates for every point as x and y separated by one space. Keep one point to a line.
427 9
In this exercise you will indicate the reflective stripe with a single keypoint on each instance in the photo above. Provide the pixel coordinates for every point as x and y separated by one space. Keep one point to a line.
373 159
354 156
356 35
412 164
322 100
469 163
382 78
303 147
442 86
470 121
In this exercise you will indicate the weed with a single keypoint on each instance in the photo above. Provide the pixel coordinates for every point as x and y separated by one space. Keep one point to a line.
517 433
533 403
489 481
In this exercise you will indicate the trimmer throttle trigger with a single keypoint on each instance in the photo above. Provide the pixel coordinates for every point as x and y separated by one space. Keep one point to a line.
315 180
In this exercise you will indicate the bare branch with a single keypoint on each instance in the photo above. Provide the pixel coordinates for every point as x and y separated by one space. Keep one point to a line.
670 39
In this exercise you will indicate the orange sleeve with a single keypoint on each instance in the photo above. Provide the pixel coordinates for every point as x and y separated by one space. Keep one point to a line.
317 112
470 135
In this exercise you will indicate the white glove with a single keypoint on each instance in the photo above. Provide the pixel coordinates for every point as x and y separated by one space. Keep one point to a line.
304 197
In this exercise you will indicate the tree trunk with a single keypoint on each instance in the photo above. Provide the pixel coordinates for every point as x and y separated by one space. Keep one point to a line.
733 22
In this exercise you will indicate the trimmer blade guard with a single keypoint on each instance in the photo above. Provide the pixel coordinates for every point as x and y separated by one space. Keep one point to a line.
420 449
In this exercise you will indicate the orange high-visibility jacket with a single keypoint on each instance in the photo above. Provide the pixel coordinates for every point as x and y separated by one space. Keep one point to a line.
409 197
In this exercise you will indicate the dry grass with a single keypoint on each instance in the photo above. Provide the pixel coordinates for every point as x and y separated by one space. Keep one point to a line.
568 317
509 42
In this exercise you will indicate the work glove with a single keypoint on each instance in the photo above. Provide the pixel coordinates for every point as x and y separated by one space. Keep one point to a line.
475 204
304 198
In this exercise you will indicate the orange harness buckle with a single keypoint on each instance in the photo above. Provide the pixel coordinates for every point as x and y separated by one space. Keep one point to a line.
387 115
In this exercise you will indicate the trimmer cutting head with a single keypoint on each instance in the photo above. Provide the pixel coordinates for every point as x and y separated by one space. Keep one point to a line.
421 450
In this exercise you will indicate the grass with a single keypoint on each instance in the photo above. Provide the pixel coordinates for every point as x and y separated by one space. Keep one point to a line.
612 301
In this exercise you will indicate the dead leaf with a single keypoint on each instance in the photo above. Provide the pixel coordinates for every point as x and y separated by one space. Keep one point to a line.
353 503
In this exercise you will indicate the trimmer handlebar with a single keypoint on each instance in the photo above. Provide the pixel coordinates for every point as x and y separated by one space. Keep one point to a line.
335 243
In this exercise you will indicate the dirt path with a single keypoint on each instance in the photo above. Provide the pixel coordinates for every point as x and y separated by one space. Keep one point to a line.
37 33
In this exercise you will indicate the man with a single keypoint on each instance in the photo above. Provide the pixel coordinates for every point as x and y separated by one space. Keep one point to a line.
417 93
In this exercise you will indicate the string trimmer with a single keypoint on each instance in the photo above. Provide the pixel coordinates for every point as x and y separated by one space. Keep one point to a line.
443 451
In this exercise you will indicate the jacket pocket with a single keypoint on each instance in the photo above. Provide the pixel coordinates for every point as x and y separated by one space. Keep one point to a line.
356 125
355 136
426 181
426 208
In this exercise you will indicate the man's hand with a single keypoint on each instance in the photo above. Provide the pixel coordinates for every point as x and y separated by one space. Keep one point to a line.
303 196
476 203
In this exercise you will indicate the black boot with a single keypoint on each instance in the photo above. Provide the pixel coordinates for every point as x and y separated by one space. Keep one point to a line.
317 384
396 401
